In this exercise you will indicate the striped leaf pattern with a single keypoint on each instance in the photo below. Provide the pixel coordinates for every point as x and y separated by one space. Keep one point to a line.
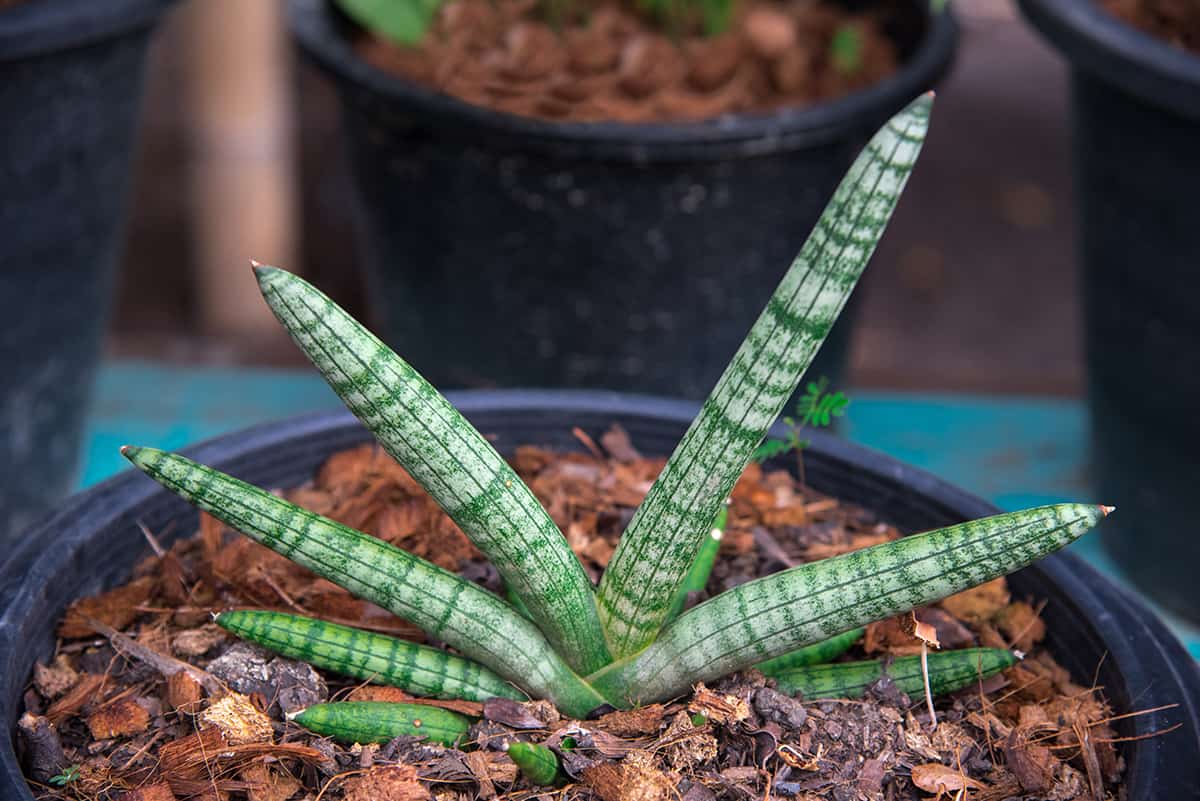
661 541
414 668
770 616
382 722
444 605
948 671
451 460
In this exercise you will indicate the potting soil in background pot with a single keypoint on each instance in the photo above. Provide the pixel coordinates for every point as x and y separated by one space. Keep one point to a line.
70 81
505 250
1136 107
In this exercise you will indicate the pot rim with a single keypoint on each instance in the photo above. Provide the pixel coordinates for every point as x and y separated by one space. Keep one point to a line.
41 27
1146 655
313 25
1107 47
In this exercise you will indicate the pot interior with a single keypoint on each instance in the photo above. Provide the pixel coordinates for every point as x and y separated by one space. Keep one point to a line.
96 540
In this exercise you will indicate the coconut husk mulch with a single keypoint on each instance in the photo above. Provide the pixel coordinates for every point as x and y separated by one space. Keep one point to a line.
145 699
607 62
1174 21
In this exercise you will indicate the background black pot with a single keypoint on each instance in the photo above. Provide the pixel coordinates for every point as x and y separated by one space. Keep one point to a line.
70 80
1091 622
1136 104
589 254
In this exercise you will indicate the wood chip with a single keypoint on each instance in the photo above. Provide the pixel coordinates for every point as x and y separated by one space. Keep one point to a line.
56 678
386 783
239 720
637 722
160 791
91 687
934 777
184 693
121 718
723 709
267 784
116 608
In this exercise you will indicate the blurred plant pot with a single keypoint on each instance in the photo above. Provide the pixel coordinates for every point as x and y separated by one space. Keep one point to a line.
1090 621
1136 105
600 254
70 81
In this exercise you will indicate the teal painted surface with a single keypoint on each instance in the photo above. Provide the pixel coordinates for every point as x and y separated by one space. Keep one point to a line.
1018 452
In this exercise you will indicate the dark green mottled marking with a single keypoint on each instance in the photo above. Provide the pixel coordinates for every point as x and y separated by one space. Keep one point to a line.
451 460
770 616
948 671
815 654
366 655
381 722
637 591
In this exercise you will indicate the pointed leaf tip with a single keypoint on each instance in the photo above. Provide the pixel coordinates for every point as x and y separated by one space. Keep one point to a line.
1107 510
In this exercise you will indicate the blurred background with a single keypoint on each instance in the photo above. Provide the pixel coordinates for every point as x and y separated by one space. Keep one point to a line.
966 356
241 156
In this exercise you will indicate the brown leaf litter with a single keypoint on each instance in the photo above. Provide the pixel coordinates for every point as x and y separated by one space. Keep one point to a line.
151 702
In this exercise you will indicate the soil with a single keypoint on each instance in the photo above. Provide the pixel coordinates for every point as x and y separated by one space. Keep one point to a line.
612 64
1173 21
146 700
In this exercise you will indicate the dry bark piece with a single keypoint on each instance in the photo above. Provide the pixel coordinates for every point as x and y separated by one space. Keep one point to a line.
1032 765
718 707
267 784
91 687
511 713
160 791
618 445
198 642
116 608
239 720
978 604
56 678
184 693
635 722
934 777
121 718
635 779
1022 625
687 746
386 783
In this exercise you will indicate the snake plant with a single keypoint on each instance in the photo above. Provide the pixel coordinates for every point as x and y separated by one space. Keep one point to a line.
621 643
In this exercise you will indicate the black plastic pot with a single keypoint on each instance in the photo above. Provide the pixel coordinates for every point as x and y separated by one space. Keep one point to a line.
605 255
1096 630
1136 104
70 81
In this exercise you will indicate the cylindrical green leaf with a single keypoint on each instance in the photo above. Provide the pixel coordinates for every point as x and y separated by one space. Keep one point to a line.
365 655
451 460
667 530
816 654
381 722
537 762
446 606
948 671
770 616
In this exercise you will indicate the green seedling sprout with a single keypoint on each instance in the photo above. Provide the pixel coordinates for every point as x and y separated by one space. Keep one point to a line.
846 49
816 408
625 642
